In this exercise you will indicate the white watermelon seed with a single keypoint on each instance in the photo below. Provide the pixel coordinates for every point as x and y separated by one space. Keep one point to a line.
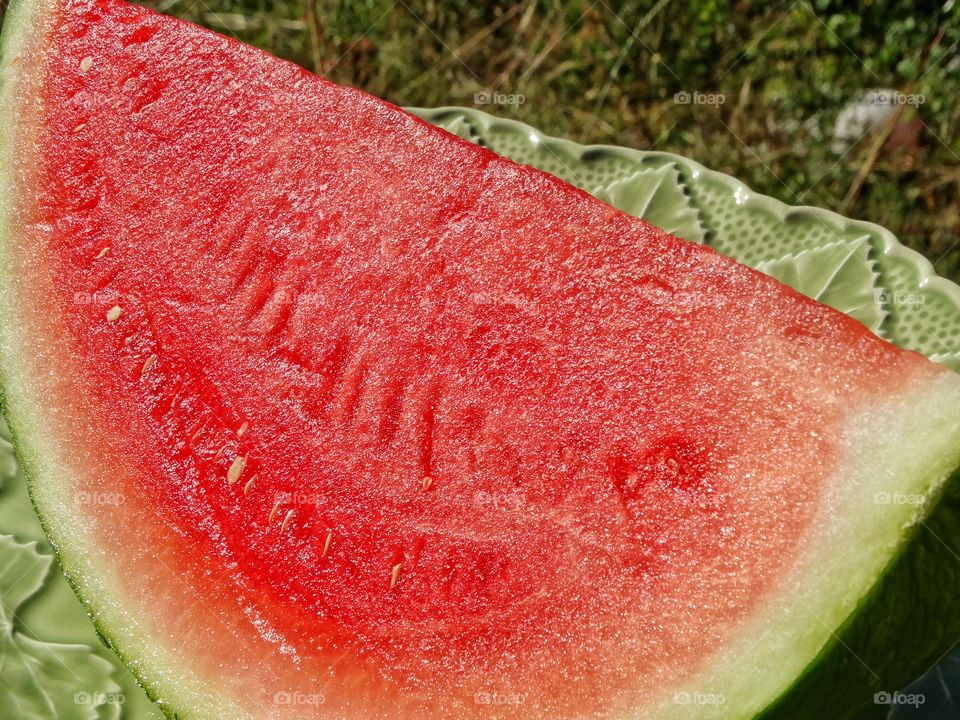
242 429
395 576
236 468
86 63
427 482
114 313
148 363
103 252
286 520
79 127
246 488
273 513
326 545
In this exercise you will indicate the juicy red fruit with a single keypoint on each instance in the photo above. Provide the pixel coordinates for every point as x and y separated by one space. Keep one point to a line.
427 408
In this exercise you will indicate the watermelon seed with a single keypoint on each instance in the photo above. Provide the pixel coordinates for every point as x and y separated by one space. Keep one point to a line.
286 520
233 474
85 64
246 488
114 313
427 482
326 545
273 513
395 575
149 363
78 128
242 429
103 252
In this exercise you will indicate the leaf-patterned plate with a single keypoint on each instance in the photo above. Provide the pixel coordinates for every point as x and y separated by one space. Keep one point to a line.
52 664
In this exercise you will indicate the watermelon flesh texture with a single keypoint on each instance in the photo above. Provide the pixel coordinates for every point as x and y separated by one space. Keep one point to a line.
387 426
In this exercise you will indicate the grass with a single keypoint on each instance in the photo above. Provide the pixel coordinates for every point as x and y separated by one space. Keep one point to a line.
599 71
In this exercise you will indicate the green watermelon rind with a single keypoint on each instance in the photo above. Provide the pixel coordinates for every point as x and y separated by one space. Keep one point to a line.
835 676
25 461
910 613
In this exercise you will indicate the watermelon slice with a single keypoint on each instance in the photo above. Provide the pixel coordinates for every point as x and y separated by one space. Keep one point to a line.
329 413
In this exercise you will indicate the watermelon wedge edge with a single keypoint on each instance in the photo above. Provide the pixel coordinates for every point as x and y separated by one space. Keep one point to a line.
916 582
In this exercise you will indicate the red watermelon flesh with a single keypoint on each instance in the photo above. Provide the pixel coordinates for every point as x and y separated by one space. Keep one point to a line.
396 422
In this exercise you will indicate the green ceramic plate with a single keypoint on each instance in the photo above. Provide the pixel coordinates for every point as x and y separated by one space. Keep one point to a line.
52 664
